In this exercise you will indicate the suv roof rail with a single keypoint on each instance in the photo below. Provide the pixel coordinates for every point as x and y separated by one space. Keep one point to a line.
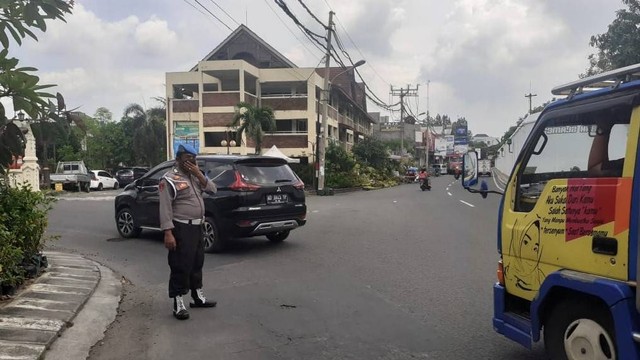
612 78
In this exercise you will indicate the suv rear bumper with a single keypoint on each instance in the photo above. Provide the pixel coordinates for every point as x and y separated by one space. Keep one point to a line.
263 227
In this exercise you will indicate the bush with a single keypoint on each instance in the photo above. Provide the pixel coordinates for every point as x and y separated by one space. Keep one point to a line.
306 173
23 221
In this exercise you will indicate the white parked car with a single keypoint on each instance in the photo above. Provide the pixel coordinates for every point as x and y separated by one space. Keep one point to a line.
101 179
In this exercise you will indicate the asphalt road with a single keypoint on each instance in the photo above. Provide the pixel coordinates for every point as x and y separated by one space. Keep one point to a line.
388 274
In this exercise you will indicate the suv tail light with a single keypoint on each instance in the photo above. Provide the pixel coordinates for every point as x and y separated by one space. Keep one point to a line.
241 185
93 177
299 185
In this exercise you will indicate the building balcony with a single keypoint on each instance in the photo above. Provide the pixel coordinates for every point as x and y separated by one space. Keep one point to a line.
227 98
285 102
185 105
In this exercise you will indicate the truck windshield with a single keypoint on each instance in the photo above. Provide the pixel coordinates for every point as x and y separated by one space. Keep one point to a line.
566 154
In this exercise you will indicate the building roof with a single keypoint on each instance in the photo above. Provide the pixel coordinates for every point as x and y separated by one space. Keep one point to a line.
244 44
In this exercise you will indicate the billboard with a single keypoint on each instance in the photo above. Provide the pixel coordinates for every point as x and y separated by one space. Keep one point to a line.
186 132
449 139
461 135
440 147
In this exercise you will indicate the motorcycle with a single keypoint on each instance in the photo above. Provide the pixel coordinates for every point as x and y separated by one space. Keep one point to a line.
425 184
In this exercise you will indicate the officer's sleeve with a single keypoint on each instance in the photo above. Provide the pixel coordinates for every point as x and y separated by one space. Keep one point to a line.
166 210
211 187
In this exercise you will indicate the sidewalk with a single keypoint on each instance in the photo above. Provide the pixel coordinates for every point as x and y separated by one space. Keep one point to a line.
71 288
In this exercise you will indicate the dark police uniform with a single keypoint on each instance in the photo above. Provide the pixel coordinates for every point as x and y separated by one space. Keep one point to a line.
182 210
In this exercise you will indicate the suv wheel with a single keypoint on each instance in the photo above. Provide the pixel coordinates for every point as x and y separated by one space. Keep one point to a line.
100 187
126 224
213 242
279 236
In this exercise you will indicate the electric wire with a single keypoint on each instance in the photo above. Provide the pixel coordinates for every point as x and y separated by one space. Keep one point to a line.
212 14
291 31
226 13
312 14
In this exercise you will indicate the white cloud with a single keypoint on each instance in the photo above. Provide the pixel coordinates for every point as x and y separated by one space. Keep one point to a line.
480 55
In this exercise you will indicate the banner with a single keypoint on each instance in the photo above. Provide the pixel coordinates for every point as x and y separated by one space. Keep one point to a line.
186 132
449 139
461 135
186 129
440 147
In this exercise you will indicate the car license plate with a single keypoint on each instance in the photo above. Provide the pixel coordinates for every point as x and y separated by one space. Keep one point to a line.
273 199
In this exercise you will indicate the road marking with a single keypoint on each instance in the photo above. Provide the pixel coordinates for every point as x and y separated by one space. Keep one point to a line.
466 203
495 182
449 193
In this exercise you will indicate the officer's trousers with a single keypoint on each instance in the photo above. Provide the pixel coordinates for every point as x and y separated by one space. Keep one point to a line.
186 260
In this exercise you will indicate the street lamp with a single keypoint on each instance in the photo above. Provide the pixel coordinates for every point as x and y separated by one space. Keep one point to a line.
228 144
324 98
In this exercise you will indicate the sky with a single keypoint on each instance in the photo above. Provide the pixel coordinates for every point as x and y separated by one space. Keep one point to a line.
475 59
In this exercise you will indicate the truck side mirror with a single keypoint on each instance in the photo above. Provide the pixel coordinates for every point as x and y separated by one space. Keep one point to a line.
470 169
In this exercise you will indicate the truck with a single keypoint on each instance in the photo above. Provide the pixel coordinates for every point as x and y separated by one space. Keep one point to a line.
73 175
569 224
484 167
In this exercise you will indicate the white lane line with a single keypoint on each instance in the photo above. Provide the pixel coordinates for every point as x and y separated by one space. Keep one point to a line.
449 193
466 203
495 182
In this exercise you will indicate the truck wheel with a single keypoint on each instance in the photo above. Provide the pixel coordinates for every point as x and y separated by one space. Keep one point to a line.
126 224
278 236
582 330
213 241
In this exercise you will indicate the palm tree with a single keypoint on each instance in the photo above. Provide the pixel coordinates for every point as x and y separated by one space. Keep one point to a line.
254 121
148 128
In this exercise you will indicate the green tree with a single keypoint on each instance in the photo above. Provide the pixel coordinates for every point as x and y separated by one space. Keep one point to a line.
254 121
373 152
620 45
19 18
149 133
103 115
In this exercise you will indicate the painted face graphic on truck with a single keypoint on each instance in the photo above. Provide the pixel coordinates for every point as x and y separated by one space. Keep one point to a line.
525 250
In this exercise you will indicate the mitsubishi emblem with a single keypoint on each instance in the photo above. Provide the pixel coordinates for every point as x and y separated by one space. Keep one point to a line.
279 190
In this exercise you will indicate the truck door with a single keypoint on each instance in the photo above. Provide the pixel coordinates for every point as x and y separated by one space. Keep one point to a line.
561 210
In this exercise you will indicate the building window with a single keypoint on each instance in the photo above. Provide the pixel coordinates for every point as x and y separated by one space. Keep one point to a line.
215 138
291 126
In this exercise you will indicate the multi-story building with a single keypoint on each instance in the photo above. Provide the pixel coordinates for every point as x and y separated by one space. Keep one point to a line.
201 102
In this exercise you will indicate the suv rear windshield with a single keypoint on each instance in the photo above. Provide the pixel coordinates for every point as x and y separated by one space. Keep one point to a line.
267 174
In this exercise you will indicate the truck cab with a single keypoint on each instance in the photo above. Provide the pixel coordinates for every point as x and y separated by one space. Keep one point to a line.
569 221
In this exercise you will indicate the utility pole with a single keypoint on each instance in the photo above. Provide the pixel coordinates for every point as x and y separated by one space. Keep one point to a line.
409 91
324 102
530 95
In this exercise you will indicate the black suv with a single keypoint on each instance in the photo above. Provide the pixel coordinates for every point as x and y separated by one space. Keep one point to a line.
128 175
256 196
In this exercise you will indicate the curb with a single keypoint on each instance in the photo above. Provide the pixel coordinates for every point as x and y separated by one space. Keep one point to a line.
40 312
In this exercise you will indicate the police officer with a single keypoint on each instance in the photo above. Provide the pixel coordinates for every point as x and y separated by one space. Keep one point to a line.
181 218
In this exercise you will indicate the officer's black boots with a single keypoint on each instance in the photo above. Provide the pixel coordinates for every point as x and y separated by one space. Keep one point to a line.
199 301
179 310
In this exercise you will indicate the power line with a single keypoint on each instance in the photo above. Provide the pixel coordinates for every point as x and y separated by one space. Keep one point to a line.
288 28
212 14
360 52
312 14
193 6
226 13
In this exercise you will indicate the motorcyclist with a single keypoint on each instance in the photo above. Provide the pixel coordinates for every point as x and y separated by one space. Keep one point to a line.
423 175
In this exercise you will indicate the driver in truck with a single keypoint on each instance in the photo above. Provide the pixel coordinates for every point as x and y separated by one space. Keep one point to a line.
599 164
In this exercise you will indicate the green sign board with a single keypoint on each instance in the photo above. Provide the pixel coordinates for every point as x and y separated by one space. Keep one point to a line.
186 129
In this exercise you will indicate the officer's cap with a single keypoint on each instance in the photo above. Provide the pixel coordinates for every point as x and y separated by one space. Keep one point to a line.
186 148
